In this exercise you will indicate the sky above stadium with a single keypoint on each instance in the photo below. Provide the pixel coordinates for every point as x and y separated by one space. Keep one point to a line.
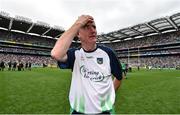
110 15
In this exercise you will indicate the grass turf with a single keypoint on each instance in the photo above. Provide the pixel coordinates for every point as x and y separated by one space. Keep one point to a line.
45 91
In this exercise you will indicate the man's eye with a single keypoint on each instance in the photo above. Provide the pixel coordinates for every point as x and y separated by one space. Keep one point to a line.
85 26
94 27
89 26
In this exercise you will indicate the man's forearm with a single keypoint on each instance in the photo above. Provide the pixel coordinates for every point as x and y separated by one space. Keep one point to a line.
64 42
117 84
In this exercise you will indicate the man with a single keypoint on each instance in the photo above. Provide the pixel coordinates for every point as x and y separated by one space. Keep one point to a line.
26 65
29 66
124 69
14 66
9 65
92 87
2 65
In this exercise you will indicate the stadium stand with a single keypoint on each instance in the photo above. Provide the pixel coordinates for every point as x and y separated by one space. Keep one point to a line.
21 40
155 43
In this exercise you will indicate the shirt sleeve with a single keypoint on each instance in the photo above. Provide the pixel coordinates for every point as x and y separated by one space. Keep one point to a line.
69 63
116 68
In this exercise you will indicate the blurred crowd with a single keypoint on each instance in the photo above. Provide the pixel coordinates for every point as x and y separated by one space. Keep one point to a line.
155 62
147 41
41 56
24 50
35 61
167 57
24 38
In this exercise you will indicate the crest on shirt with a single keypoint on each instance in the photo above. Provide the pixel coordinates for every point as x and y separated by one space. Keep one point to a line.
100 60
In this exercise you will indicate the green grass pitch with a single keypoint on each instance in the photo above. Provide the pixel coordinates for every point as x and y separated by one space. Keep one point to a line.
45 91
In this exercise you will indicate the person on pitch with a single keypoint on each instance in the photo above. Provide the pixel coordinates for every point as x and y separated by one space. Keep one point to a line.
96 71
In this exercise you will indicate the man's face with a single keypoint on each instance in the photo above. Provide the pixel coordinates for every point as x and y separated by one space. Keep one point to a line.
88 33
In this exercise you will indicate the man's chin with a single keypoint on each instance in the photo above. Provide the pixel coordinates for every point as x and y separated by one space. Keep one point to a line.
93 38
93 41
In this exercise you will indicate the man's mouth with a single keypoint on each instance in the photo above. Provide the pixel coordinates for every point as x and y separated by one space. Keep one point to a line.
92 36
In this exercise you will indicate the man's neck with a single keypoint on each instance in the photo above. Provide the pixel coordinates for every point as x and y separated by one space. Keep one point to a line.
89 47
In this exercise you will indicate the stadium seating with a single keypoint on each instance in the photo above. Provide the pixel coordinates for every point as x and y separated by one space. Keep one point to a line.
155 43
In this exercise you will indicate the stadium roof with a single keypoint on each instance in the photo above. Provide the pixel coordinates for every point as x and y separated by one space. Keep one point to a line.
157 26
25 25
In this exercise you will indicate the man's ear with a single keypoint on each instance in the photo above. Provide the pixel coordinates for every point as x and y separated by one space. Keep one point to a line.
78 34
76 38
